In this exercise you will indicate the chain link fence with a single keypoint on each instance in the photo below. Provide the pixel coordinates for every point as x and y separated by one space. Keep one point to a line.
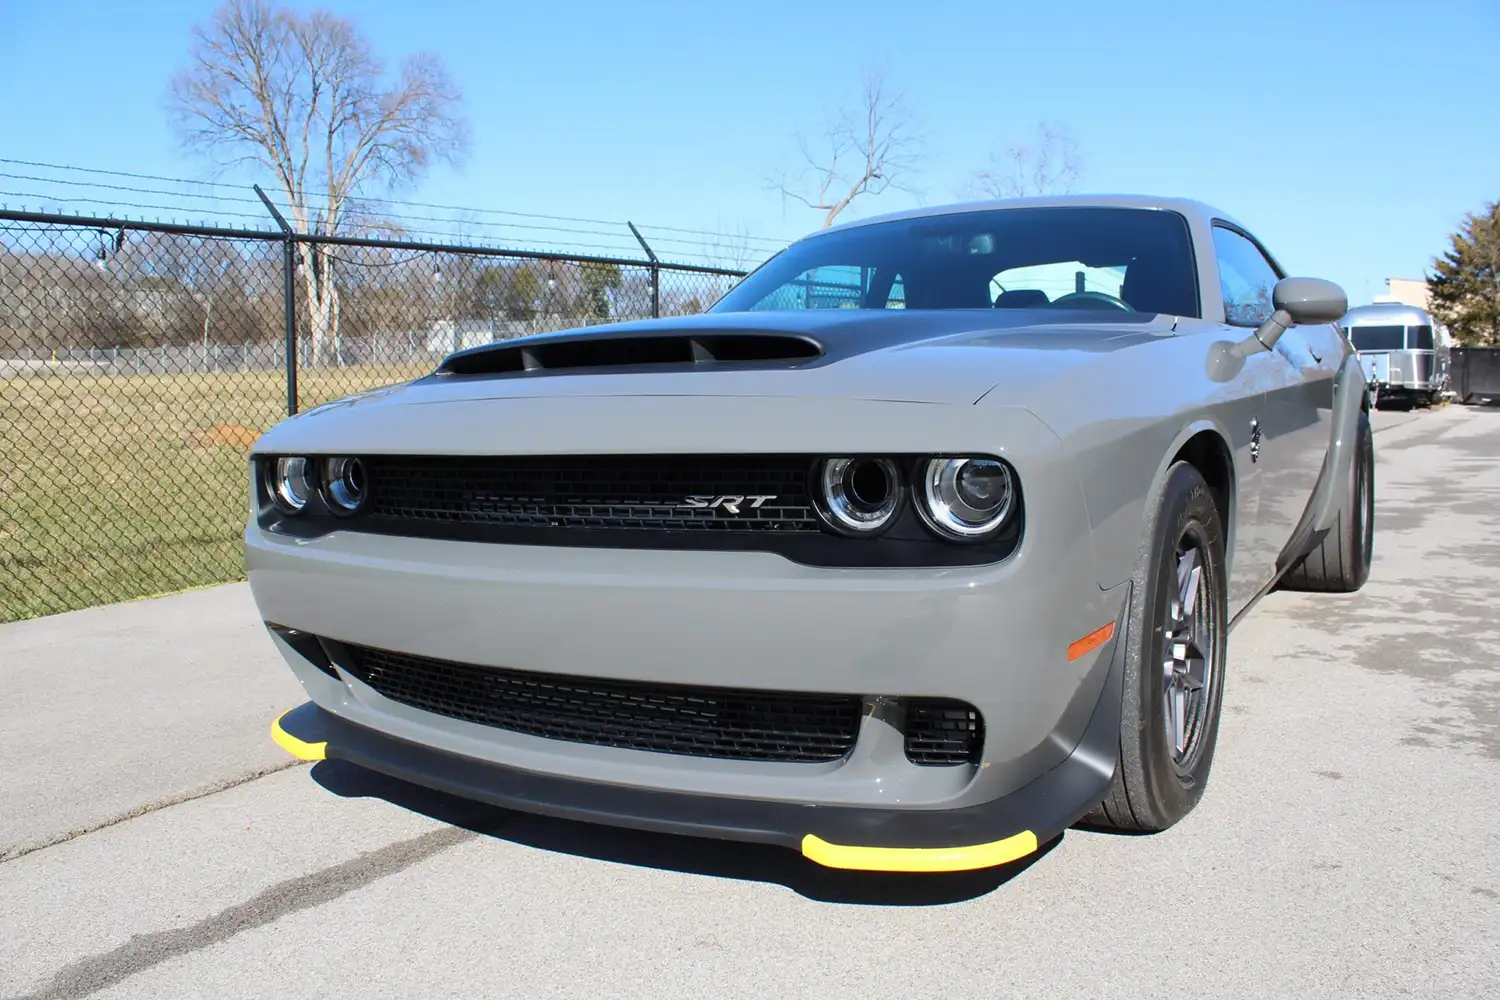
139 362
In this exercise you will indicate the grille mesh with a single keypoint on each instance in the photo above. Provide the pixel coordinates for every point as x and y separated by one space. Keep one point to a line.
941 732
701 722
624 492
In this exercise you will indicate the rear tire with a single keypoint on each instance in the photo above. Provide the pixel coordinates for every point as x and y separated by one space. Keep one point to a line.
1341 562
1166 744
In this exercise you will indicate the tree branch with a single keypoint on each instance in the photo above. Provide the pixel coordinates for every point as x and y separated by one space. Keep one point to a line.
304 96
880 140
1049 165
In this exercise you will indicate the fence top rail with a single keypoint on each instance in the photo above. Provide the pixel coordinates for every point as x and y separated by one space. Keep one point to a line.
267 235
105 222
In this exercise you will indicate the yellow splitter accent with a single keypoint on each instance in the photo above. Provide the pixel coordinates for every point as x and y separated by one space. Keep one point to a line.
300 749
875 859
919 859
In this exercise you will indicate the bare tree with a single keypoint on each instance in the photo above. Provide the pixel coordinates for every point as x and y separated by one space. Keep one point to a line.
733 251
867 151
303 96
1049 165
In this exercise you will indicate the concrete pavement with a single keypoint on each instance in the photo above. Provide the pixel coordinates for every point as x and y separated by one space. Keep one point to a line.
1349 843
111 710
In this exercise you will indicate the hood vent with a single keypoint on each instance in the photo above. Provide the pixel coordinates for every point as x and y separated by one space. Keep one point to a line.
626 352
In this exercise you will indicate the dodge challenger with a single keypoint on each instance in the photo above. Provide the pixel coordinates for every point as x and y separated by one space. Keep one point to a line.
919 547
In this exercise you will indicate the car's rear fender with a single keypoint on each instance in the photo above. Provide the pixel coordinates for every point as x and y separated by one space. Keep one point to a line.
1351 396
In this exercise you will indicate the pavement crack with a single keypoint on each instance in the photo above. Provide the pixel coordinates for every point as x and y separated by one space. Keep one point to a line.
143 951
15 851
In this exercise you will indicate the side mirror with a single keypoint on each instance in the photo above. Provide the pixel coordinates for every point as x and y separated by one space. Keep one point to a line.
1300 300
1310 300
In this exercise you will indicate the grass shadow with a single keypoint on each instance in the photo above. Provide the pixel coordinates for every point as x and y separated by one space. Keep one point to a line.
669 852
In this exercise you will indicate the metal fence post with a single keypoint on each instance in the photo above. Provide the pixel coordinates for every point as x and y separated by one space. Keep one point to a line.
655 271
289 295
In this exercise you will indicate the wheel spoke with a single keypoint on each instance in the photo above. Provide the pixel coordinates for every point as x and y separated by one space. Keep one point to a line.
1194 677
1188 575
1179 718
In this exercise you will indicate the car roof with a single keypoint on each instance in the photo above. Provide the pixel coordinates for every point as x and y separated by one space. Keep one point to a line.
1195 211
1387 312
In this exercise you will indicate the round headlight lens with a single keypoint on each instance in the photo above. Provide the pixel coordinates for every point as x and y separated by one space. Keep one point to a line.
967 498
857 496
983 485
344 484
291 484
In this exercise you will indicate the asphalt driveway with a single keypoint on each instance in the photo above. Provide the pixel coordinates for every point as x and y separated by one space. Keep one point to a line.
156 844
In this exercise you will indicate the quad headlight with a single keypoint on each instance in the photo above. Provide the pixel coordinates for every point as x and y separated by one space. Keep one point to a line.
291 484
965 499
857 496
344 484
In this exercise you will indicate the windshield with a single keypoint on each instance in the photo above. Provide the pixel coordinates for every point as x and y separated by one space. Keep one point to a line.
1122 259
1378 338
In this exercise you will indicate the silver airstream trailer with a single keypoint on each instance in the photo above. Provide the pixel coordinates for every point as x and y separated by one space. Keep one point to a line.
1404 352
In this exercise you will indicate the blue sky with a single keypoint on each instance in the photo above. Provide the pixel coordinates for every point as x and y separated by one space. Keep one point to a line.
1350 136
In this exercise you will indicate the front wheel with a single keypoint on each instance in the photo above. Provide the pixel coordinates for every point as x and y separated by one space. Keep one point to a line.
1174 666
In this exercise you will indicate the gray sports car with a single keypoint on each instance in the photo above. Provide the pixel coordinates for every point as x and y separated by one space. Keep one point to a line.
919 547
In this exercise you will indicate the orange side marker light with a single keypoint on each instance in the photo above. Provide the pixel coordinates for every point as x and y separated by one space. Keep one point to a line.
1090 642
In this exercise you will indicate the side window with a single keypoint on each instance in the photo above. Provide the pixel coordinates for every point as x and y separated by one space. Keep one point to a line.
1246 276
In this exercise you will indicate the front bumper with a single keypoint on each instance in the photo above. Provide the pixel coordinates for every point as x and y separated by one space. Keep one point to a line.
983 835
1000 637
995 637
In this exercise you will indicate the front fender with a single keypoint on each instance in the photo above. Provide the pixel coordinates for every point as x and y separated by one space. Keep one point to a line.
1119 465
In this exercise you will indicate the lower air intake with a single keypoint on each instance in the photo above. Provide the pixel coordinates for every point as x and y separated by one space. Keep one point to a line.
941 732
696 721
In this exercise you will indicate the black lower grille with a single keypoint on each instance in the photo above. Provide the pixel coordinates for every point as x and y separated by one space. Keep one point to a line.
700 722
940 732
663 493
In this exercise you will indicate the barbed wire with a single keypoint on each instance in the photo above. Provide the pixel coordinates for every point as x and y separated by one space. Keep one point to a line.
718 238
542 238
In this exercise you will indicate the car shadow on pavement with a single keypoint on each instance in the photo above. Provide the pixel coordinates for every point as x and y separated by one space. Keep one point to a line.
669 852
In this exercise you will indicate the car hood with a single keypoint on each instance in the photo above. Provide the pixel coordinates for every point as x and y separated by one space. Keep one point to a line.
950 356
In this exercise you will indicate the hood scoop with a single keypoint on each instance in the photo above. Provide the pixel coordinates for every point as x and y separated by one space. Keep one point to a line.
690 350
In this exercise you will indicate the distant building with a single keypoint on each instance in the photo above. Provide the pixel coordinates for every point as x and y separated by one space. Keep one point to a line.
1408 291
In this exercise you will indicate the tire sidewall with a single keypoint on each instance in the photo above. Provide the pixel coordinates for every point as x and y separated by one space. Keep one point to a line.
1362 503
1184 498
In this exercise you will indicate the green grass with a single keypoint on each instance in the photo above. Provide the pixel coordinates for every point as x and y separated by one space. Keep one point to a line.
111 487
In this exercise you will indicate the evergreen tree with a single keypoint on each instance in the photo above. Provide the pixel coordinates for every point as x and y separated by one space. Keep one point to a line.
1465 282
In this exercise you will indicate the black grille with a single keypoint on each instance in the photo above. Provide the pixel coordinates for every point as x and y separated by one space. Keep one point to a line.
700 722
627 492
940 732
